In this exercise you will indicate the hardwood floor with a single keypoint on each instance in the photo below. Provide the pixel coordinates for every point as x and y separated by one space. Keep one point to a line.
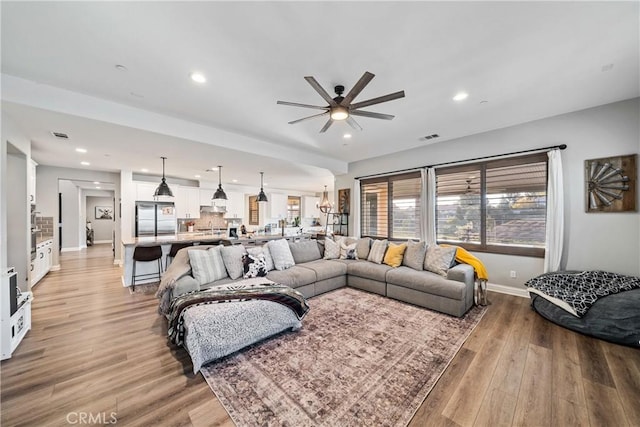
97 350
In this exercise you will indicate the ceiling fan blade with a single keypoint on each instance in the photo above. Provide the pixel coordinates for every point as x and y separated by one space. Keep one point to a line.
353 123
371 114
323 93
307 118
326 125
378 100
295 104
357 88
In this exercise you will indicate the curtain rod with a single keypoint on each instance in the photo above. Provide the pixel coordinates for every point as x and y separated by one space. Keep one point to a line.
561 147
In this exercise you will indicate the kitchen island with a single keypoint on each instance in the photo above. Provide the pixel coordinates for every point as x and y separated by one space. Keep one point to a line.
165 242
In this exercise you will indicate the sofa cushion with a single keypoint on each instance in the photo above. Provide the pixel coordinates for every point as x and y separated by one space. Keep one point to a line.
281 254
232 256
294 277
185 284
363 245
376 254
207 266
439 259
368 270
426 281
326 269
394 254
331 249
262 250
415 254
304 251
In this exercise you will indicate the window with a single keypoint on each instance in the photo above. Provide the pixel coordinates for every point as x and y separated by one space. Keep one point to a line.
495 206
390 206
254 211
293 208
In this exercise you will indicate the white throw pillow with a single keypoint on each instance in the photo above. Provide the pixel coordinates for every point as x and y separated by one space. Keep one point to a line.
439 259
262 250
376 254
331 249
207 266
232 256
281 254
348 251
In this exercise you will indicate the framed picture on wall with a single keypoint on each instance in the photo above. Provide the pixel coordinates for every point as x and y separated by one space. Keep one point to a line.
344 200
104 212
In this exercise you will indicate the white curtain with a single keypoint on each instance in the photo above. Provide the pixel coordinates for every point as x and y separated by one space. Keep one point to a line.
355 208
424 210
554 239
430 237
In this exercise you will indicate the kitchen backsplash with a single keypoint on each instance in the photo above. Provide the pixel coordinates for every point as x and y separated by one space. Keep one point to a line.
207 221
45 224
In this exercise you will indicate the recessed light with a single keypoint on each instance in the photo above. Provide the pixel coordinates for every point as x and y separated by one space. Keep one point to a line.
197 176
85 163
460 96
214 169
346 136
97 188
81 150
265 184
198 77
121 67
234 180
96 182
144 170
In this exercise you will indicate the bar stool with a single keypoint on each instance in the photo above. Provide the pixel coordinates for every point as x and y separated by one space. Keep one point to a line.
146 254
175 247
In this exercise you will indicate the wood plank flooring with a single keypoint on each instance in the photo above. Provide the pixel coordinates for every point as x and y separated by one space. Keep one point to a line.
95 349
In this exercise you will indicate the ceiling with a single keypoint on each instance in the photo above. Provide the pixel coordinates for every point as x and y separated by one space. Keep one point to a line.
518 61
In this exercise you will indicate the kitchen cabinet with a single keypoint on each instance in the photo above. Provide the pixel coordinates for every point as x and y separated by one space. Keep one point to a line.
235 205
41 265
205 196
187 202
310 207
277 206
32 181
145 191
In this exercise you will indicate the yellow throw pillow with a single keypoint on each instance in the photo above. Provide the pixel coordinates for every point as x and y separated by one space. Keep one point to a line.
393 257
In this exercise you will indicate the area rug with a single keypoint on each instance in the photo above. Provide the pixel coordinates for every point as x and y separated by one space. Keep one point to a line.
360 359
145 289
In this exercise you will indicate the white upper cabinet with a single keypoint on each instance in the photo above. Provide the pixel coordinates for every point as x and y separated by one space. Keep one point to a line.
235 205
277 206
32 181
205 196
145 191
187 201
310 207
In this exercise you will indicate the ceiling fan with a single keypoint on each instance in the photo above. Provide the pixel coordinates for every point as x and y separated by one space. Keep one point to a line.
341 107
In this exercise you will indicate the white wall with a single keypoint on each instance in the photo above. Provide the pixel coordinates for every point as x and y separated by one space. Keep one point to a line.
71 216
18 224
102 228
607 241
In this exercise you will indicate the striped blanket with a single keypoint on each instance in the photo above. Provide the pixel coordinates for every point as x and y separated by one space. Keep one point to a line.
233 292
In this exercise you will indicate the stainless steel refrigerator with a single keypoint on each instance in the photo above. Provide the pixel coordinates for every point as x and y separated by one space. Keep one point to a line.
155 219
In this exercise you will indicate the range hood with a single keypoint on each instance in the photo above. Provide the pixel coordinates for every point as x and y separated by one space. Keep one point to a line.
213 209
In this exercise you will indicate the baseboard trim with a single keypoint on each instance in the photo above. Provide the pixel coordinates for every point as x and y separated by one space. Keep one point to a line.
76 249
100 242
117 262
522 293
55 267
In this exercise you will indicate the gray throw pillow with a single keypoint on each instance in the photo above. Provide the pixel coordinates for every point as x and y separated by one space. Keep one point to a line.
262 250
281 254
207 266
439 259
363 246
415 254
378 249
232 256
304 251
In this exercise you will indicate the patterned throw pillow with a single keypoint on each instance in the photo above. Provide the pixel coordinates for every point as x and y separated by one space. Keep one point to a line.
262 250
207 266
254 266
232 256
393 256
439 259
348 251
331 249
415 254
281 254
376 254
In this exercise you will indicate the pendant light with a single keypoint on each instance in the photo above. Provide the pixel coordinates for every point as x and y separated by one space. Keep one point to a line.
261 196
219 194
325 204
163 189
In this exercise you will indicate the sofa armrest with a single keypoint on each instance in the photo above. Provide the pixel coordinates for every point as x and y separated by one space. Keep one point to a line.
462 273
185 284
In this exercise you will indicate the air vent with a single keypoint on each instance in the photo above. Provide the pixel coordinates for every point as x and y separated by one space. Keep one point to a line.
435 135
60 135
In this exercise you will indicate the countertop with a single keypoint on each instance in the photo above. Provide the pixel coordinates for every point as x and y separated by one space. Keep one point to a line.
198 237
43 238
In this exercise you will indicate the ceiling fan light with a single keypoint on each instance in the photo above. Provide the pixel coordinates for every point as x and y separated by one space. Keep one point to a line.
339 113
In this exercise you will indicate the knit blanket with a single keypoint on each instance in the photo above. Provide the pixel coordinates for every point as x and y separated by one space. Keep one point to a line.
576 292
233 292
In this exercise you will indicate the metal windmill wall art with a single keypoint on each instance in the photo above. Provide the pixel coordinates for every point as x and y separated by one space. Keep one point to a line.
611 184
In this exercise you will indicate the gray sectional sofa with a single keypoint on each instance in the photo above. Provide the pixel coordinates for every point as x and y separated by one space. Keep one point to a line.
312 275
